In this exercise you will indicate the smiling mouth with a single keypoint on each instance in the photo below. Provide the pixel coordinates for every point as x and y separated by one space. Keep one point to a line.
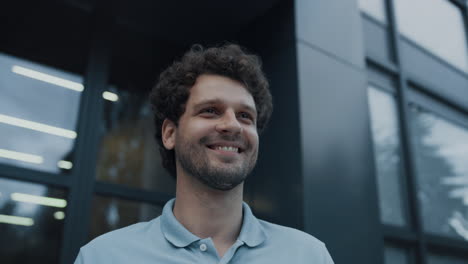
227 149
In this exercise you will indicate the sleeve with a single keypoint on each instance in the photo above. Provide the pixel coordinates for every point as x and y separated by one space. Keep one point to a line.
79 259
327 259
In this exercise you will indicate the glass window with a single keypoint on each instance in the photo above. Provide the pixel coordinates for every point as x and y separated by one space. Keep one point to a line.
386 141
129 154
441 259
436 25
395 255
31 222
110 213
375 9
38 115
441 149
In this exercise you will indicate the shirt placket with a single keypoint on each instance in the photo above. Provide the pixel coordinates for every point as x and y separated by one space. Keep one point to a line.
207 251
230 253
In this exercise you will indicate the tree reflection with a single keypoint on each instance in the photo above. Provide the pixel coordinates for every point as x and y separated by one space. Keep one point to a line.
441 172
387 156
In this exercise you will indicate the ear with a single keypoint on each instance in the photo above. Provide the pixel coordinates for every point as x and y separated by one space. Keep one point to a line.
168 134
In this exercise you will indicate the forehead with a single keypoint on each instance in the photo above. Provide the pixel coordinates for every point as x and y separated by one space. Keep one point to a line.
215 87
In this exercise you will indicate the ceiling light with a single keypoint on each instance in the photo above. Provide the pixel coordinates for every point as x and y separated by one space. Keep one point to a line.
47 78
8 154
47 201
16 220
64 164
59 215
37 126
110 96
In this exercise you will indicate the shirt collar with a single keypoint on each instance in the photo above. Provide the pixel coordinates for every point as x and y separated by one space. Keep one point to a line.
251 233
174 231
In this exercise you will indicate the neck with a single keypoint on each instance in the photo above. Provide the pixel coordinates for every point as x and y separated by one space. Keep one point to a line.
206 212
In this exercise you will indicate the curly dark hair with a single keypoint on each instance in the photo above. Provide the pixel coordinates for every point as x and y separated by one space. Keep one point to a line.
169 96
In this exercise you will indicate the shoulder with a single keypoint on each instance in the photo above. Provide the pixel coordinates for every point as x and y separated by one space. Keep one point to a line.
125 235
120 242
301 245
279 232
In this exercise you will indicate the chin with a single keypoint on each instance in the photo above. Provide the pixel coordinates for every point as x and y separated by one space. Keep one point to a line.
225 187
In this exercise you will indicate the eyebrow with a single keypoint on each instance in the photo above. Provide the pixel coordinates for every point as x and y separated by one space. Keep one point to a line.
219 101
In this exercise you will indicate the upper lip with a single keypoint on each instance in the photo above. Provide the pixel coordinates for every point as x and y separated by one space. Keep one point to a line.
237 145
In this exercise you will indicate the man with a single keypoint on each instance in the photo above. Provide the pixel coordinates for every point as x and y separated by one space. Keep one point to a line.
209 109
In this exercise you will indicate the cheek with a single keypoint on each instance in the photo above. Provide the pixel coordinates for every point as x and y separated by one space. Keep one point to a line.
194 131
252 136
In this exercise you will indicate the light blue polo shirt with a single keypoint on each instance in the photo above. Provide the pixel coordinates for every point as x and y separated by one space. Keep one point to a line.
165 240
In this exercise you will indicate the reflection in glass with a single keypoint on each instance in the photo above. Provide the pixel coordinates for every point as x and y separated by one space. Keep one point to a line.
129 154
31 222
385 135
442 171
111 213
375 9
436 25
440 259
38 114
395 255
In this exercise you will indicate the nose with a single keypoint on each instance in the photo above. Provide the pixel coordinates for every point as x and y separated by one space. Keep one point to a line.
229 123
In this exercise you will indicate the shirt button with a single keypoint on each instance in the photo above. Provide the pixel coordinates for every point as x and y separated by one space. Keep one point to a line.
203 247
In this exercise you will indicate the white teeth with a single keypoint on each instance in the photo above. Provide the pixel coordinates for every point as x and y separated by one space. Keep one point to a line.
233 149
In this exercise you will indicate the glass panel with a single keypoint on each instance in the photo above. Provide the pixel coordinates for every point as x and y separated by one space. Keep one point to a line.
111 213
440 259
31 222
385 135
395 255
375 9
436 25
38 115
441 149
129 153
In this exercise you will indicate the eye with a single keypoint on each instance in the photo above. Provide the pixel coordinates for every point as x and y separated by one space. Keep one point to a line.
209 111
245 115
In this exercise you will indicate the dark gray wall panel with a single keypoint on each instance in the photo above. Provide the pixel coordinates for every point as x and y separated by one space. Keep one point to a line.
333 26
276 185
340 198
433 75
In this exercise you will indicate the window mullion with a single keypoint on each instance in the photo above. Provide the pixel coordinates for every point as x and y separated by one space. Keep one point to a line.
407 150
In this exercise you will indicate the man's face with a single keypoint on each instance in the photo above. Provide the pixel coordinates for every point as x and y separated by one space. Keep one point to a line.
216 140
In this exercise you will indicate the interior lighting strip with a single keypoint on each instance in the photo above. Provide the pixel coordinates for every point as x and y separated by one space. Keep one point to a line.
48 78
65 164
59 215
16 220
37 126
75 86
110 96
35 199
8 154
